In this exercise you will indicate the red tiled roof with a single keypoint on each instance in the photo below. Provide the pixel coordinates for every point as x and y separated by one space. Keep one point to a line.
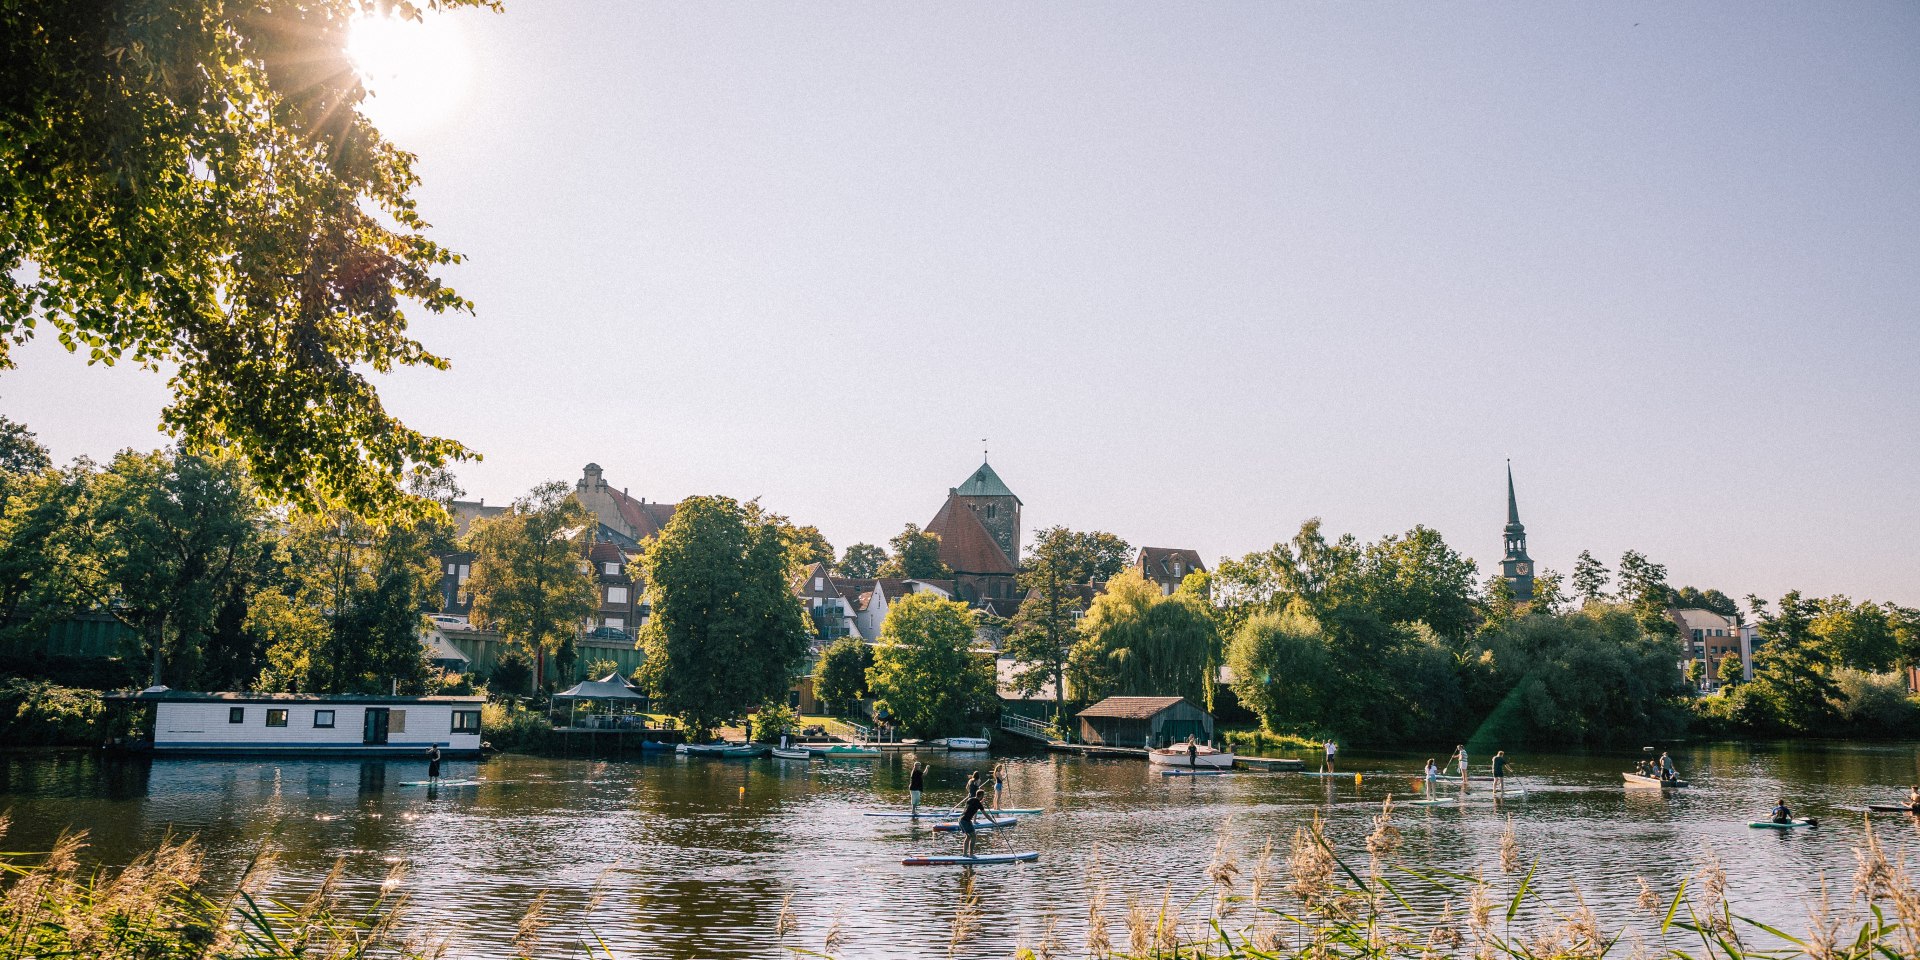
604 552
1129 708
965 544
646 519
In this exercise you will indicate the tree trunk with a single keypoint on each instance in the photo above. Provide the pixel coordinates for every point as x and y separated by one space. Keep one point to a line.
158 634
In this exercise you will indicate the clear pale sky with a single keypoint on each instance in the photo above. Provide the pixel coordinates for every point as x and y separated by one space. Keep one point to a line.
1196 271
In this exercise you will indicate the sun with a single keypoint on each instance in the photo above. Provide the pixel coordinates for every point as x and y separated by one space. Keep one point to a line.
415 70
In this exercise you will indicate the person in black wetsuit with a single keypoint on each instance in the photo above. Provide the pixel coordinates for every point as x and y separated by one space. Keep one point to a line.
1193 753
433 762
976 806
915 783
1499 771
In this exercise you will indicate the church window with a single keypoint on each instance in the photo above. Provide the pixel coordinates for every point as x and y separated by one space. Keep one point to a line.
990 510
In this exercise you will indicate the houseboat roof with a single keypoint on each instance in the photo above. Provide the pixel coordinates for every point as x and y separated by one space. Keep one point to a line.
164 695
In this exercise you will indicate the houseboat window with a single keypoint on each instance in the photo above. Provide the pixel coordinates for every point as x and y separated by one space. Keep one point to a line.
397 721
323 718
466 721
277 717
236 714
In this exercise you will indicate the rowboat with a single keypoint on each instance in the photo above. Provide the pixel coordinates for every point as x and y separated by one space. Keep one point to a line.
728 750
656 745
936 860
1000 824
933 813
1176 756
963 743
1638 782
845 751
792 753
1789 825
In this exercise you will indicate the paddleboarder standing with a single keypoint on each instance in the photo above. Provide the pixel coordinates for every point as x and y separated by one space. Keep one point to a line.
999 783
1332 748
1193 753
976 806
1499 771
433 763
916 782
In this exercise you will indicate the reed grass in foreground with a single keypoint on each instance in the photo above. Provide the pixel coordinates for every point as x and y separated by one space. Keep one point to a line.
1301 902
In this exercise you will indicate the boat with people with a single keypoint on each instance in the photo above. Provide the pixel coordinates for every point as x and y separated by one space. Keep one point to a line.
1190 755
1637 781
721 749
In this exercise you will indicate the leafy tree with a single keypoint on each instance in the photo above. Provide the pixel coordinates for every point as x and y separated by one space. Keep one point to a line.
1792 690
1090 556
1136 641
47 558
1046 627
529 579
172 531
1282 668
1693 598
1644 589
1730 670
1589 578
20 451
1416 577
771 722
841 676
924 668
1861 635
808 546
916 555
1696 673
726 635
1549 594
346 613
600 668
1594 676
192 185
861 561
1501 607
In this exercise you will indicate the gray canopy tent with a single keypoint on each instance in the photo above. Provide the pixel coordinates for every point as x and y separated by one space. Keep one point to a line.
622 702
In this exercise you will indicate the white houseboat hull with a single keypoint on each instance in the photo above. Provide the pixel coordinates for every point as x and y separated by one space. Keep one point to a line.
240 724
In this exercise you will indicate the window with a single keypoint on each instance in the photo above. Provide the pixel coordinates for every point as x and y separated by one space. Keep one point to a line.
236 714
610 569
466 721
396 721
614 622
466 570
616 594
323 719
819 583
453 568
276 717
1176 568
990 511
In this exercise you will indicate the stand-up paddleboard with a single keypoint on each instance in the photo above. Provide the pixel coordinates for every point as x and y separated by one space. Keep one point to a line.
1435 802
1195 772
1323 773
1770 825
1502 795
1001 824
1891 808
439 783
937 860
934 813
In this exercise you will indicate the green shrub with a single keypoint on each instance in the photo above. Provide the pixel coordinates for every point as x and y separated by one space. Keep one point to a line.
508 725
772 722
38 713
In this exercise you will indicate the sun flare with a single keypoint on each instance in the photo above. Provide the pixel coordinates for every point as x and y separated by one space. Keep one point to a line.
416 72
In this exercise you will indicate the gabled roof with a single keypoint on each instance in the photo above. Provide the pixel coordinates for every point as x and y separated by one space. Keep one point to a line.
1130 708
604 552
984 483
645 518
965 544
1157 562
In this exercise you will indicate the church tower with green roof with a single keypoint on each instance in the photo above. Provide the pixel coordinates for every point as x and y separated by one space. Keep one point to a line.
998 509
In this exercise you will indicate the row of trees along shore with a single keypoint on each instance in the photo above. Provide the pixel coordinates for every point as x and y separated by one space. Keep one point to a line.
1391 640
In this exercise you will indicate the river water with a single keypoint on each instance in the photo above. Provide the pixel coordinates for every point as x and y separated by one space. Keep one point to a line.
695 857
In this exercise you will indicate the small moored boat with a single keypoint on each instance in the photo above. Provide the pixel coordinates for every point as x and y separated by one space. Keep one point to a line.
846 751
1177 756
963 743
792 753
723 749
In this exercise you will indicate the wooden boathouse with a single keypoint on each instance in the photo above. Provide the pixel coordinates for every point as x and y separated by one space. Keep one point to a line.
1144 722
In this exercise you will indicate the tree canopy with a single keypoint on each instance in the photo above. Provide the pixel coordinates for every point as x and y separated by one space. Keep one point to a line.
925 672
192 187
916 555
861 561
1078 556
531 580
1136 641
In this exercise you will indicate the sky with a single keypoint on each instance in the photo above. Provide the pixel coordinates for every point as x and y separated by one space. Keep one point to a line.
1192 273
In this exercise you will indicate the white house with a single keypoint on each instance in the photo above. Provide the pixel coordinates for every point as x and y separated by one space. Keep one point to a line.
308 724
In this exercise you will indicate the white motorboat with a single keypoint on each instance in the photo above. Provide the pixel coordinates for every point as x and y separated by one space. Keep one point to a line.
965 743
1176 756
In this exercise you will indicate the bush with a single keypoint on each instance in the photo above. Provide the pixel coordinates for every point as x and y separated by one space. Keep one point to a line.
512 673
772 722
449 683
508 725
38 713
1876 704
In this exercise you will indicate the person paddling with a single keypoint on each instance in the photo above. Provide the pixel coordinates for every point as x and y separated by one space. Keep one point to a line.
1332 748
972 785
976 806
1433 774
1499 771
433 763
1913 798
1781 813
916 782
999 783
1193 752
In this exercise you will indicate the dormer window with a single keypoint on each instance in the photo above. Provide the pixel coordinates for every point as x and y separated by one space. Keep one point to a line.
1176 568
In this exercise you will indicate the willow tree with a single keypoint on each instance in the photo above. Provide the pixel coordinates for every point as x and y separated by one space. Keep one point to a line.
190 186
1135 641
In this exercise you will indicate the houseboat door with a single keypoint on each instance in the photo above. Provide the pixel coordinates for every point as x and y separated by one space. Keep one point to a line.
376 725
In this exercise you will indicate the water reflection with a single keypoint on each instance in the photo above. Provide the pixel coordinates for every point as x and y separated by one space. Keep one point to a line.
686 857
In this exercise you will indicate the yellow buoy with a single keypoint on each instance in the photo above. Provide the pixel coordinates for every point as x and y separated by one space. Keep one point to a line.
1356 778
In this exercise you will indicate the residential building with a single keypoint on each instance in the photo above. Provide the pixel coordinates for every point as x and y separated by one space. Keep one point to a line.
625 520
1168 566
1516 567
621 609
979 528
1709 636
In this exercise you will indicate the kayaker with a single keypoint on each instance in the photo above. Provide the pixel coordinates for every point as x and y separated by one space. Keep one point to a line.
1499 770
1781 814
1332 748
916 782
433 762
976 806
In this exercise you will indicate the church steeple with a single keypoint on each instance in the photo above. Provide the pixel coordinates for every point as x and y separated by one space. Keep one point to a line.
1516 567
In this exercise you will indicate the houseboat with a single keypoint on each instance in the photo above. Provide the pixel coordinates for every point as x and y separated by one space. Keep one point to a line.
180 722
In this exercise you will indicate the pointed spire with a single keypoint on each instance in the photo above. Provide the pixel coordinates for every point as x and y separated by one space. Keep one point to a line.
1513 507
